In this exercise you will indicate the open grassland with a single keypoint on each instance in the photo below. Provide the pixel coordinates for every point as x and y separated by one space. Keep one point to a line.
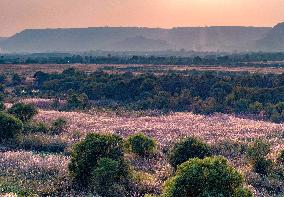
36 170
168 128
44 174
29 69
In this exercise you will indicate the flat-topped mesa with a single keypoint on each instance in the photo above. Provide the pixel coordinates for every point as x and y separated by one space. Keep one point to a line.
219 38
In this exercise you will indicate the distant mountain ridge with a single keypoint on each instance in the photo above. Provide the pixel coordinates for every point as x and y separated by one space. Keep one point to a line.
147 39
273 40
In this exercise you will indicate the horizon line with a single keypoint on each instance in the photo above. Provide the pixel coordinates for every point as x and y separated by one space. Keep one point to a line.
145 27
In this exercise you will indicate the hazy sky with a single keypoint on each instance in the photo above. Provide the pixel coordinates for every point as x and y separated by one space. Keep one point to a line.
16 15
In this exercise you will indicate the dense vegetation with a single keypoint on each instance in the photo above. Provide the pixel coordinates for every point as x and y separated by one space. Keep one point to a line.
254 59
200 92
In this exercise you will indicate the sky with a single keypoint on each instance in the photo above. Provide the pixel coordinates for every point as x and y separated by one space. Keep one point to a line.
17 15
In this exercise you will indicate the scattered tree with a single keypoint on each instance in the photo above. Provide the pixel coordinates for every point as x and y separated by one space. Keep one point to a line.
186 149
24 112
10 126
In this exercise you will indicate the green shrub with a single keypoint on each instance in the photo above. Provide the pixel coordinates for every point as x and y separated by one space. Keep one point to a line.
77 101
24 112
39 127
262 166
114 172
141 144
212 176
87 153
257 150
187 149
42 143
2 106
58 126
281 157
243 192
10 126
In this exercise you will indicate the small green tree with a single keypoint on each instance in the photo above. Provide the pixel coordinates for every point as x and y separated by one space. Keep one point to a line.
87 153
10 126
141 144
212 176
24 112
186 149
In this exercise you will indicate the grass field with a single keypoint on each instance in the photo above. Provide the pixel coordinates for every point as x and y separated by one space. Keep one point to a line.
30 69
217 129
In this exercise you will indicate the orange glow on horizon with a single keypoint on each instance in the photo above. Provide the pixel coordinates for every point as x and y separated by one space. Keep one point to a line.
16 15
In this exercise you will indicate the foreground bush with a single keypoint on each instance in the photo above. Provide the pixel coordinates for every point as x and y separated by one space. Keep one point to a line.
10 126
86 155
187 149
141 145
108 178
24 112
212 176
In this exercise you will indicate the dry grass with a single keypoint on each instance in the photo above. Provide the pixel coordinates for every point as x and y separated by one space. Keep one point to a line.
35 170
29 70
167 128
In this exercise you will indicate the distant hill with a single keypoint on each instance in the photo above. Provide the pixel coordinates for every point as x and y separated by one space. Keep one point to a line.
140 43
146 39
273 40
2 39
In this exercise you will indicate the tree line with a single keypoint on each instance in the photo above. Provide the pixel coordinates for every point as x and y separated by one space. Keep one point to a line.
251 59
199 92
